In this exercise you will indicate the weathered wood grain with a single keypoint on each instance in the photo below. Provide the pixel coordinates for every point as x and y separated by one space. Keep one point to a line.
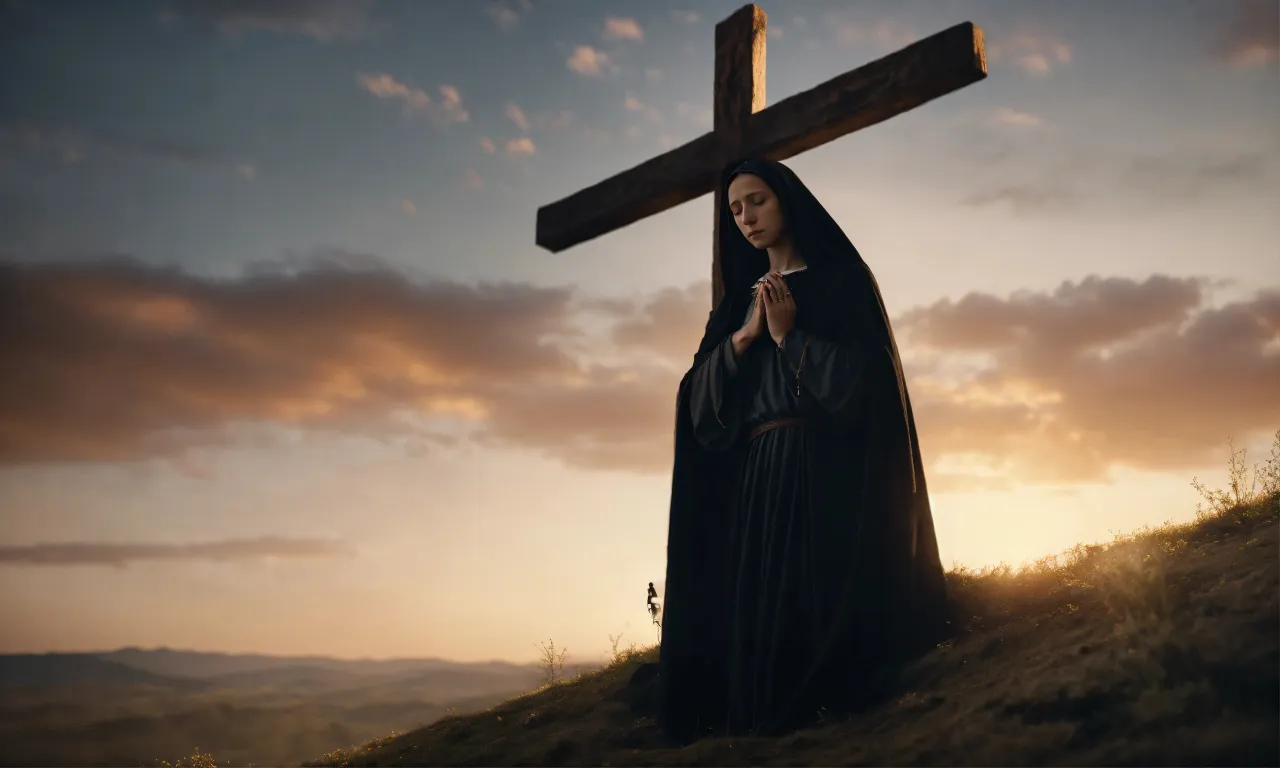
872 93
738 89
738 92
674 177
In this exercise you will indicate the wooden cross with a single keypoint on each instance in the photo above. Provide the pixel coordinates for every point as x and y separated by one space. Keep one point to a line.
921 72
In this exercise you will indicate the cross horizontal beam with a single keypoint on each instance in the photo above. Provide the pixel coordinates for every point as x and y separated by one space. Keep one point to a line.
923 71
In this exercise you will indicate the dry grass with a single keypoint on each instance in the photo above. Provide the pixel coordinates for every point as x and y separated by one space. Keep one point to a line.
552 662
196 759
1160 648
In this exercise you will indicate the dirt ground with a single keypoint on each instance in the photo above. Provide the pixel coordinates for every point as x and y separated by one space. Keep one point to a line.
1163 650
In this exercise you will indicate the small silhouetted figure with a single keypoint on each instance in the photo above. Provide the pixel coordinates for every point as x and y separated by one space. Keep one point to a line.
653 606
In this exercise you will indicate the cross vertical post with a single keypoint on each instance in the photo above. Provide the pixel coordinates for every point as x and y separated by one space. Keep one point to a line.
739 92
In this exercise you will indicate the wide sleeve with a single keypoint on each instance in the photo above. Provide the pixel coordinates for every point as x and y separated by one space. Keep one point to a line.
832 373
713 406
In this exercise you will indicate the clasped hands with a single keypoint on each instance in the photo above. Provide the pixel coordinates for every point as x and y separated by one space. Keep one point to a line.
774 310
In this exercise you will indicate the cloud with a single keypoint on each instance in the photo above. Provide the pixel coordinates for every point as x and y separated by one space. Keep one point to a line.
1250 37
1036 54
472 179
521 147
72 146
1013 117
408 207
487 145
550 120
686 17
587 60
632 104
120 555
554 120
516 115
699 116
1190 176
507 15
888 34
323 20
384 86
1024 199
336 343
653 75
452 105
116 360
1146 180
668 324
616 28
1061 386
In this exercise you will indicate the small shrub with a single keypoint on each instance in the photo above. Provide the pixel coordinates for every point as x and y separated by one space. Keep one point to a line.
552 662
197 759
1247 489
618 655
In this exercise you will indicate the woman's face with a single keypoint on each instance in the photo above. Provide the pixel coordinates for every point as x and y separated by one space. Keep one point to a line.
756 210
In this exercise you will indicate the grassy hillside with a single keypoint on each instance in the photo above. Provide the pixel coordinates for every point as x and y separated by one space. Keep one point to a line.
1162 648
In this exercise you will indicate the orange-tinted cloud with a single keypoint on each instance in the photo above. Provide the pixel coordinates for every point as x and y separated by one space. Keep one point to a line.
622 28
1035 54
669 324
449 108
587 60
385 86
118 361
1250 36
115 360
507 15
1061 386
516 115
1017 118
119 555
521 147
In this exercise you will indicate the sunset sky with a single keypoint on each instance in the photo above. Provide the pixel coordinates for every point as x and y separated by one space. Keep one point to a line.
284 371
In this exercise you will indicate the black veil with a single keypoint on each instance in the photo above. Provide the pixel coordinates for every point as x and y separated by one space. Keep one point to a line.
900 560
816 236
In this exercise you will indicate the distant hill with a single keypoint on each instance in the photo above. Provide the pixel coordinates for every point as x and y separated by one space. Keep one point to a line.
180 663
302 675
1160 649
50 669
137 706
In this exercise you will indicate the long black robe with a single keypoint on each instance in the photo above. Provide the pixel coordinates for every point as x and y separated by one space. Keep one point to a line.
801 563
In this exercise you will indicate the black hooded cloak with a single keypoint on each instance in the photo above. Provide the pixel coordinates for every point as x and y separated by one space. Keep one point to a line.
802 564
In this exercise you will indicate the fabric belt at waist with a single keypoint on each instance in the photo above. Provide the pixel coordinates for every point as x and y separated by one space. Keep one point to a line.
772 424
